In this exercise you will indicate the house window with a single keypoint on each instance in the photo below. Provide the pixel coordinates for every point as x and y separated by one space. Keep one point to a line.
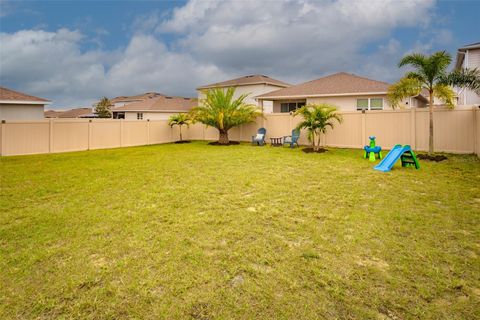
119 115
376 104
139 116
290 106
370 104
362 104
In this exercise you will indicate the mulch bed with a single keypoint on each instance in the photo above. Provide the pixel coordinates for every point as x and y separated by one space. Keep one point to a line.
435 157
230 143
183 141
310 150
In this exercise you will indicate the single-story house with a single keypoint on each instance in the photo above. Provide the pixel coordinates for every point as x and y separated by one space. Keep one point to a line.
468 57
85 112
252 85
347 91
157 108
16 105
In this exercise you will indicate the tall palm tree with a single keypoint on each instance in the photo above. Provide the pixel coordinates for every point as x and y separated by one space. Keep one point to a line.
221 110
179 120
430 74
316 119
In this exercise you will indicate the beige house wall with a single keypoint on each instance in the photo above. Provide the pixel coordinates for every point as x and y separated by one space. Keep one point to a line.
348 103
471 61
132 115
456 131
21 111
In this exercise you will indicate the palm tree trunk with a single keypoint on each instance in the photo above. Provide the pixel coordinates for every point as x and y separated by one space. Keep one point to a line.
313 141
223 138
180 133
319 140
430 137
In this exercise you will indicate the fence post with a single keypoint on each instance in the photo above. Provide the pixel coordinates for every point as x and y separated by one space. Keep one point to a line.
121 133
475 133
89 134
364 128
413 128
2 143
148 131
50 135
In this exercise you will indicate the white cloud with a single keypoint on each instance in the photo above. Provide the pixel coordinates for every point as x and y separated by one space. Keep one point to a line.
214 40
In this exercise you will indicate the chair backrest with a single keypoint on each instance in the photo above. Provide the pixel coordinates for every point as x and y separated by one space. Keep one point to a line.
262 131
295 134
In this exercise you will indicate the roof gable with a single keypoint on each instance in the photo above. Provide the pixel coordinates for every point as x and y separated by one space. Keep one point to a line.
12 95
246 80
341 83
159 104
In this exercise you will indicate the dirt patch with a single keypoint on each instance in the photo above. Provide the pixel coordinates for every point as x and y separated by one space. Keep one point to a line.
200 311
231 143
434 157
310 150
183 141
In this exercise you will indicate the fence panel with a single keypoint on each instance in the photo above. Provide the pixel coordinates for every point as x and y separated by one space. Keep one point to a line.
134 133
160 132
25 137
69 135
389 127
105 134
348 134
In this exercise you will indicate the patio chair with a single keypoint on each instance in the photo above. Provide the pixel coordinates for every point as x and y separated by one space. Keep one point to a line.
293 139
259 139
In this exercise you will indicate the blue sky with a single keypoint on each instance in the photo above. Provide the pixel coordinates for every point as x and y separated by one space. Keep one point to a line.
74 52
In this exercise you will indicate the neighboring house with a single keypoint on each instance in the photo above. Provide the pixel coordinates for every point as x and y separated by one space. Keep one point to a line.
15 105
346 91
468 57
72 113
52 113
124 100
253 85
157 108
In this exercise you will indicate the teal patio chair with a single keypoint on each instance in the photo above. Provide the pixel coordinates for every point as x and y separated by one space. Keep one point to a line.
293 139
259 139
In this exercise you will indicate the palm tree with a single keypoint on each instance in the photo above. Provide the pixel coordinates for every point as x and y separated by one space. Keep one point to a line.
179 120
430 74
221 110
316 119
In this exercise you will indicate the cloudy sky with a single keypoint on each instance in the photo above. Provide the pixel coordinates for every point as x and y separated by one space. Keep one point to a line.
73 52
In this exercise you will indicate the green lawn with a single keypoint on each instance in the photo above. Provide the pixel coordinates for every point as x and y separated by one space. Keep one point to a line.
238 232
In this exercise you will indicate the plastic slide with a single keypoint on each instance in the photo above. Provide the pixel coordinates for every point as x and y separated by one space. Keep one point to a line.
404 153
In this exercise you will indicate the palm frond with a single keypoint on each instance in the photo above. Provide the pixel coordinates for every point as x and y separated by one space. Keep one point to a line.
444 93
179 120
404 88
416 60
463 78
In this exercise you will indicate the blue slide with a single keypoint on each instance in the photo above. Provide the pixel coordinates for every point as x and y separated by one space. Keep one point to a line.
387 163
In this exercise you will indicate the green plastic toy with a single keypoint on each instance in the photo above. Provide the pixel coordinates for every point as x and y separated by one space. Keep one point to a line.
372 150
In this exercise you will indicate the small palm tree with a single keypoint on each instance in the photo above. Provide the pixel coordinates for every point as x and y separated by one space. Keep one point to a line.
431 74
316 119
179 120
222 111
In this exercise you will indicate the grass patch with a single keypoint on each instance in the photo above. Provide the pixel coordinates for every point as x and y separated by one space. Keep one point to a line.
196 231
